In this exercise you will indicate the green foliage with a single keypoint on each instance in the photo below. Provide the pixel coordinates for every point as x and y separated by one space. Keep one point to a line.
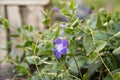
93 51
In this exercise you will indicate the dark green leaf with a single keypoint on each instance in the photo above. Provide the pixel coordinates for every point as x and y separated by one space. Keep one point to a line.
109 77
99 22
72 47
88 44
93 68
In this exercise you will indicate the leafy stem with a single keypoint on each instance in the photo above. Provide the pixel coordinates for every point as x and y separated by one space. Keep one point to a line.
105 65
36 62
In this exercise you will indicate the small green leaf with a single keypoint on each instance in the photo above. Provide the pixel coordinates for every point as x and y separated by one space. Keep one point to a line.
88 44
22 69
99 22
72 5
31 59
4 22
68 30
72 47
116 51
47 52
100 45
46 21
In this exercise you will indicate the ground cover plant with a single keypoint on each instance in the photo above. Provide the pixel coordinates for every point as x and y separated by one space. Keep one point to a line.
86 49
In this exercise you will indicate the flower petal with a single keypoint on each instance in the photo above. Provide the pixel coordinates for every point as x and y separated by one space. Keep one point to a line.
57 41
54 50
65 43
63 25
58 54
64 51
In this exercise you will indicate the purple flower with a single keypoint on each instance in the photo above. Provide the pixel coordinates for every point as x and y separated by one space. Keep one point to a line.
56 9
89 11
60 47
63 25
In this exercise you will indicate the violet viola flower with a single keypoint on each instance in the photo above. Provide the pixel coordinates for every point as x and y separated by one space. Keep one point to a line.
60 47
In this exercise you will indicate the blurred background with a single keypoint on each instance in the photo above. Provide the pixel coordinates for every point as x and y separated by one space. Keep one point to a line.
109 5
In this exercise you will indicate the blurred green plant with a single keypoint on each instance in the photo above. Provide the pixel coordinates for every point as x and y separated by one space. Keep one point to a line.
112 5
93 51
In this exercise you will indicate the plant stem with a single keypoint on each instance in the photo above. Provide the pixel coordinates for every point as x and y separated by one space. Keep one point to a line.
75 77
105 65
77 66
36 62
12 61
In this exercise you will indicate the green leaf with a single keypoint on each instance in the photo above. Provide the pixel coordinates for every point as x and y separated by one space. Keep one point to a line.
109 77
88 44
100 35
117 76
72 47
47 52
81 60
46 21
110 62
92 57
116 53
99 22
92 68
31 28
22 69
72 5
37 77
117 35
68 30
25 65
100 45
4 22
92 22
31 59
57 32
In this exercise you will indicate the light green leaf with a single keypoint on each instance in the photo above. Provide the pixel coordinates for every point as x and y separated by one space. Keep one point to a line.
116 53
117 35
31 59
100 45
